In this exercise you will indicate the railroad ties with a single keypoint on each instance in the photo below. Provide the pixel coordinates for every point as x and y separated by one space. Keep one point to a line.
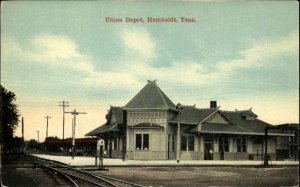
79 177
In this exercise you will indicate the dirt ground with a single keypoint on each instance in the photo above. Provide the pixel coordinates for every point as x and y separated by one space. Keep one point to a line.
13 175
207 176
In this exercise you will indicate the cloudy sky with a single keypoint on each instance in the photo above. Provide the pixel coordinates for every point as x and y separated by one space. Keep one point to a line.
242 54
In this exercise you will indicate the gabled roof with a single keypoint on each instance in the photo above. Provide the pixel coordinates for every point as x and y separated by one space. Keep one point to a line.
193 115
151 97
114 119
104 129
246 113
254 126
289 126
239 125
115 115
219 128
237 122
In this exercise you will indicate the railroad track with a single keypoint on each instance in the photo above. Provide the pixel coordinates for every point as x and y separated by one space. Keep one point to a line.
79 177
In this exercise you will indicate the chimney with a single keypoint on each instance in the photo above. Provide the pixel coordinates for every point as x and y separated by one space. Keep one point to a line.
213 104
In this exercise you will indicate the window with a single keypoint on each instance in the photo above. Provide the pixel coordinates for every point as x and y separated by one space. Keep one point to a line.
187 143
142 142
241 145
145 141
138 142
223 144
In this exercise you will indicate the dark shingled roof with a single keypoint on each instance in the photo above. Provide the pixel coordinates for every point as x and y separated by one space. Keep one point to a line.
114 118
253 126
104 129
237 122
246 113
289 126
239 125
151 96
192 115
219 128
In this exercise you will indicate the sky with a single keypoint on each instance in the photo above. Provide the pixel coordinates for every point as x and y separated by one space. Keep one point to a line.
241 54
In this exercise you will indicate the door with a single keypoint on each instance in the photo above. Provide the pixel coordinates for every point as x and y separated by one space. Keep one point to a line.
208 151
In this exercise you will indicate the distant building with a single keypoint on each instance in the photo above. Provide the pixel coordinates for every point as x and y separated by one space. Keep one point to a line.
83 146
146 128
288 147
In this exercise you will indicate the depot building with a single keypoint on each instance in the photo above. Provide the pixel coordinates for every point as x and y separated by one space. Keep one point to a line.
151 127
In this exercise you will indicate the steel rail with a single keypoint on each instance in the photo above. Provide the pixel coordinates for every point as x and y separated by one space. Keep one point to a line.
119 180
103 180
101 177
91 175
82 178
61 173
54 169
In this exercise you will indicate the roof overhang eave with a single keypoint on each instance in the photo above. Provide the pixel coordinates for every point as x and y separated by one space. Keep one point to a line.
133 127
182 122
147 108
244 133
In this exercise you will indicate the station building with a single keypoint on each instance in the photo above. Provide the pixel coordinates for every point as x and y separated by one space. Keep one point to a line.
151 127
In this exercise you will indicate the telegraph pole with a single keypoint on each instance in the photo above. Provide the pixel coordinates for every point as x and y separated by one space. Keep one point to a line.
74 113
38 136
47 117
23 143
63 104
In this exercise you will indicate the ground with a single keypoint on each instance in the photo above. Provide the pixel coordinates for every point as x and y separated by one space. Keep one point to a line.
207 176
12 174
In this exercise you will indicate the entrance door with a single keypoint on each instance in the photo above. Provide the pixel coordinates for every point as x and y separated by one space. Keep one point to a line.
208 151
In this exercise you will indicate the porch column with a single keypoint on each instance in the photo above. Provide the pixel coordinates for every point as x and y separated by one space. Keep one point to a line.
124 135
110 146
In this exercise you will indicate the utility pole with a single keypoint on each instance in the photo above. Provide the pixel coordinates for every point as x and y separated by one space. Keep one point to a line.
74 113
38 136
23 143
47 117
63 104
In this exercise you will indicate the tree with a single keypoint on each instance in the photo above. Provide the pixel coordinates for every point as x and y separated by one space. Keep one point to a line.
32 144
49 138
9 117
